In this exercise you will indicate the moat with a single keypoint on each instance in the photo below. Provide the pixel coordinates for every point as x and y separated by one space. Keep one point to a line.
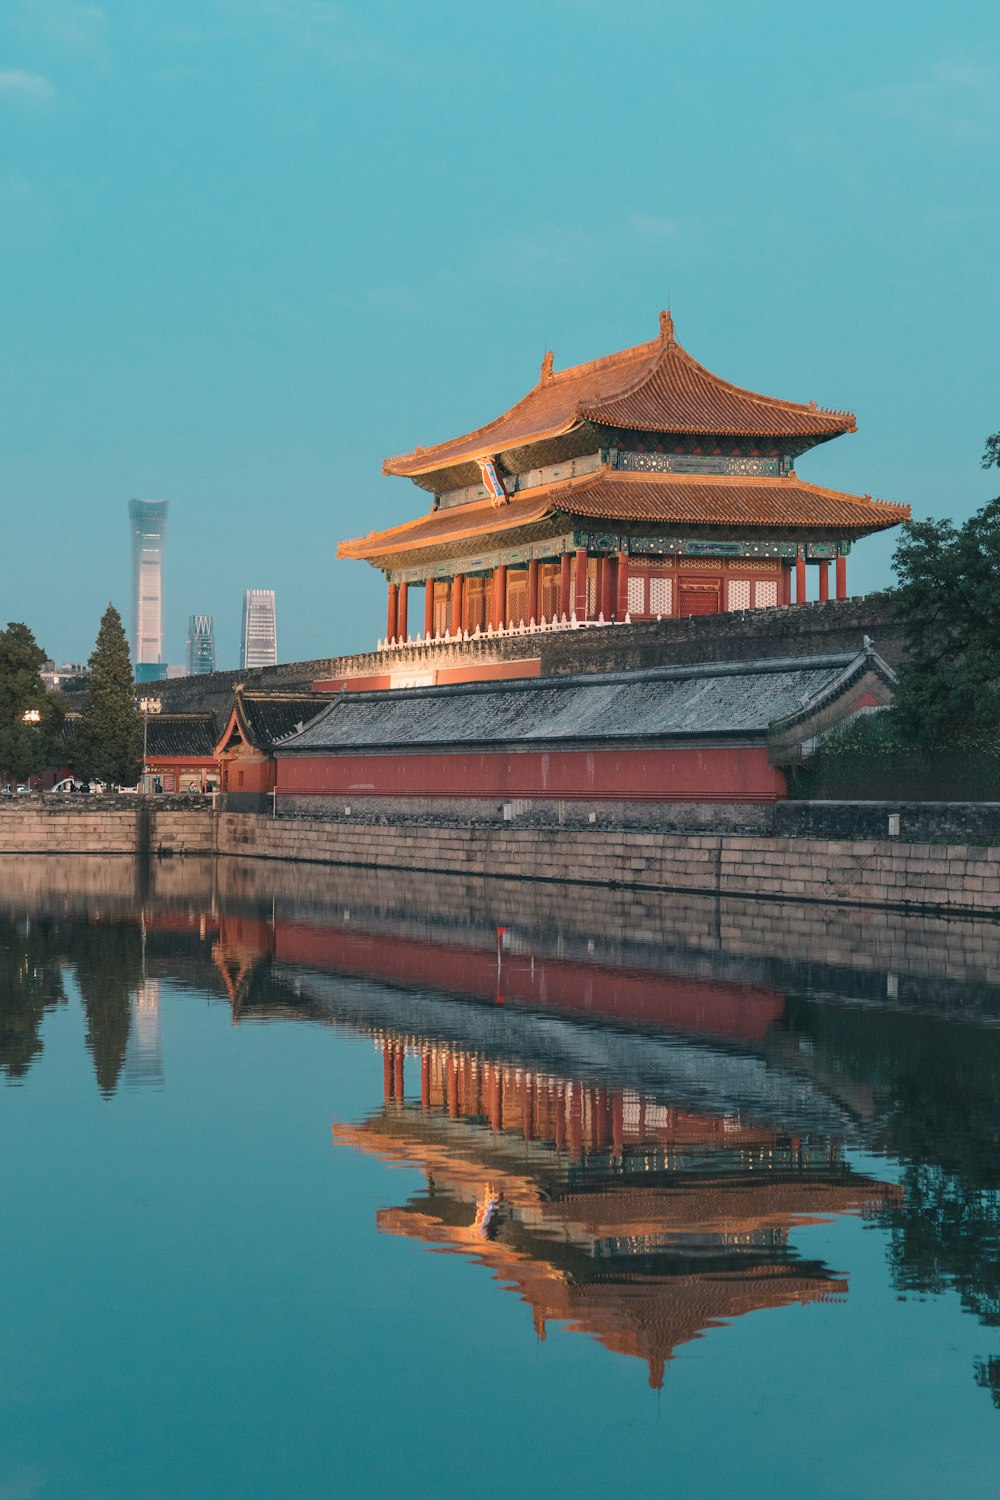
319 1181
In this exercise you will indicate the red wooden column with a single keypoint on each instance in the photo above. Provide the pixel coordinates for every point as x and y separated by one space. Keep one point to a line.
429 609
387 1073
606 587
425 1080
841 577
457 604
500 596
401 610
398 1061
800 580
621 608
565 596
824 580
580 592
390 618
533 615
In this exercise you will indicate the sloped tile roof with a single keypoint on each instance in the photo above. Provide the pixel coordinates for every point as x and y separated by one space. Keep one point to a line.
177 735
267 717
740 698
729 500
724 500
653 387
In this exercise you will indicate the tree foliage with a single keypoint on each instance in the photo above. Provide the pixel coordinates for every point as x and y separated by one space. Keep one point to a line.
949 599
26 747
109 739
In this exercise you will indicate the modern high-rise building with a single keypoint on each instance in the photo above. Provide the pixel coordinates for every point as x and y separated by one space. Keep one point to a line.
148 520
259 638
200 646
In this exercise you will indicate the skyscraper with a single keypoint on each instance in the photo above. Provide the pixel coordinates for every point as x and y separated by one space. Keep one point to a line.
148 520
200 645
259 639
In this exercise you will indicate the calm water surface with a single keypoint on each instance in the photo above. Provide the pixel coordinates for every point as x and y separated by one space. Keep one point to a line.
314 1183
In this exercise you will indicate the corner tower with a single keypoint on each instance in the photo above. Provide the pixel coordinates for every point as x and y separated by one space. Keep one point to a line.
636 487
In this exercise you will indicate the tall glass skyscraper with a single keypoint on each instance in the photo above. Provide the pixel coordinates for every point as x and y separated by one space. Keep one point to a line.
148 521
200 645
259 638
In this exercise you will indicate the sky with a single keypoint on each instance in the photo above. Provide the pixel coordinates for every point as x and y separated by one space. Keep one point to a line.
250 247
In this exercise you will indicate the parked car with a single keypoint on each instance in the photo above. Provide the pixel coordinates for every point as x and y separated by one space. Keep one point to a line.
73 784
9 790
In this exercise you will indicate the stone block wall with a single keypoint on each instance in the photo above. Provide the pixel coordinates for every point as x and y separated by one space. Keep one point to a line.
105 825
837 625
870 872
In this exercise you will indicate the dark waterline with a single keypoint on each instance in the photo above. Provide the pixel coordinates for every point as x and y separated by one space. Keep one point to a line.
314 1184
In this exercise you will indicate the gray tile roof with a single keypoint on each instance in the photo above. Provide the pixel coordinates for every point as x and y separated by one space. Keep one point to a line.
181 734
738 699
268 717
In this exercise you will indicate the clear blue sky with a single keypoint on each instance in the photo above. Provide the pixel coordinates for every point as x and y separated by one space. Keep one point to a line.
252 246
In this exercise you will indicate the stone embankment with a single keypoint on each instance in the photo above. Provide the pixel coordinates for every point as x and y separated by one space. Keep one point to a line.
956 877
106 825
869 871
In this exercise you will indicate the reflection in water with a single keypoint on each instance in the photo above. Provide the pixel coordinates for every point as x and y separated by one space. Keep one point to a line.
623 1111
628 1219
30 984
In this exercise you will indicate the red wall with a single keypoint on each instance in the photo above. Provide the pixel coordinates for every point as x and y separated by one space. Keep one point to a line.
738 1011
477 672
737 774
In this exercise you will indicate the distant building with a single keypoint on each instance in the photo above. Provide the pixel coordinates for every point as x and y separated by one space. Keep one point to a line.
259 637
148 521
200 646
55 678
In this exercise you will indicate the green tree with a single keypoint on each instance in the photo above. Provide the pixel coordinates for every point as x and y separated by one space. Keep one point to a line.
109 739
27 746
949 601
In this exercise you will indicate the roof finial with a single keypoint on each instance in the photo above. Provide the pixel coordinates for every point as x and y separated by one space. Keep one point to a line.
546 374
667 327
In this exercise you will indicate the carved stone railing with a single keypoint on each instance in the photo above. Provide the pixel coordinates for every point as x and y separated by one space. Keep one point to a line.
502 632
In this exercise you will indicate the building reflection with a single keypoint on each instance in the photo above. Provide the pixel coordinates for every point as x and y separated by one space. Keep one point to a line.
624 1114
605 1210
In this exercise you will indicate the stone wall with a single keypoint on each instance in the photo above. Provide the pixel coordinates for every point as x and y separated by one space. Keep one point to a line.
890 872
869 872
919 822
105 825
838 625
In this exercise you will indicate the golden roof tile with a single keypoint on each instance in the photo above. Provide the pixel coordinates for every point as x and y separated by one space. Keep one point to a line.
652 387
730 501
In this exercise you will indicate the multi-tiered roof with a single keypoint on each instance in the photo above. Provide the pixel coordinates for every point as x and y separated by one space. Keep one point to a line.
645 439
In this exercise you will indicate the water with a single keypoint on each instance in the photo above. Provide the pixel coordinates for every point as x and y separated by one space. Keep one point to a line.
311 1185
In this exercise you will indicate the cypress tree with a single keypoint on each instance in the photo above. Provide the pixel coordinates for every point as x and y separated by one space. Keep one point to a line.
109 739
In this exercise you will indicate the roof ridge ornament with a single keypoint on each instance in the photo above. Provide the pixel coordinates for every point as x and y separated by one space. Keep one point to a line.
667 326
546 372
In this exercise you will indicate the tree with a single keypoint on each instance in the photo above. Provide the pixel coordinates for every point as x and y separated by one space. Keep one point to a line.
949 601
109 739
26 745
